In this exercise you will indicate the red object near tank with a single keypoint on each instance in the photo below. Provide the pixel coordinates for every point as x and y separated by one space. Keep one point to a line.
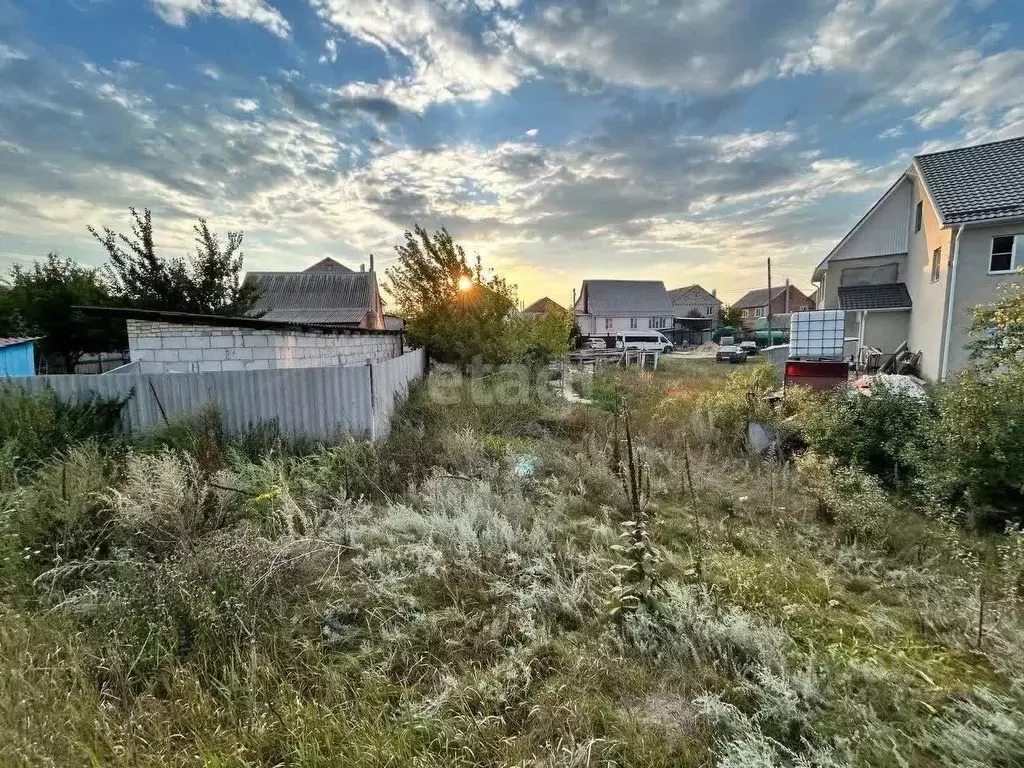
817 374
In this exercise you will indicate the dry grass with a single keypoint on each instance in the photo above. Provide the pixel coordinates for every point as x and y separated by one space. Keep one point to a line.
422 603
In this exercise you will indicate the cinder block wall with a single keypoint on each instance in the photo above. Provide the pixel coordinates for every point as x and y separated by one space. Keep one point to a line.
171 348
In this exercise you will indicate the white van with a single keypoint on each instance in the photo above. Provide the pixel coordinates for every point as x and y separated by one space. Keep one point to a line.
650 341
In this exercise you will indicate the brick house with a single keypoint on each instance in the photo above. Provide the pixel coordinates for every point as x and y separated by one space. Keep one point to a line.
786 299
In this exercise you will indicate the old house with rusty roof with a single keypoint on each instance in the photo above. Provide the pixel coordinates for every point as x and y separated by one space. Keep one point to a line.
327 293
946 237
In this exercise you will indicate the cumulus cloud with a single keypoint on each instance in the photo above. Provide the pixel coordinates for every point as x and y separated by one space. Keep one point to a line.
445 61
177 12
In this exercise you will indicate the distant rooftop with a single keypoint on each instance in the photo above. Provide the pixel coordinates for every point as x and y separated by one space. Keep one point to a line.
328 293
620 298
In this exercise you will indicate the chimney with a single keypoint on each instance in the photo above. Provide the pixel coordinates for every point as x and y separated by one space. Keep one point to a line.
371 262
714 292
362 267
787 295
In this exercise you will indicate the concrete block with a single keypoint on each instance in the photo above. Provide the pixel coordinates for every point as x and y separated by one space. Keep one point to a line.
207 366
222 341
256 365
232 365
214 354
197 341
255 340
238 353
166 355
190 355
147 342
264 353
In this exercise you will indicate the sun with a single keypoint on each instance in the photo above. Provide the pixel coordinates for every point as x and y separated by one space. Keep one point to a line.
465 283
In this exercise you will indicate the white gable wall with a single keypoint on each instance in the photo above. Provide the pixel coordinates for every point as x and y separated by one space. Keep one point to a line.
885 232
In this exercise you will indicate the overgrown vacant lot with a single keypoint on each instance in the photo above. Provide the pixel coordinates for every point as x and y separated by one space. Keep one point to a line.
430 601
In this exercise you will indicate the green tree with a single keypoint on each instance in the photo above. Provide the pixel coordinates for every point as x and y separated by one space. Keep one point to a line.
730 316
451 308
207 282
38 301
547 336
998 331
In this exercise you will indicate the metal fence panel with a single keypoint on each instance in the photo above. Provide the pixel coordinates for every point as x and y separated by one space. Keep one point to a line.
391 380
314 402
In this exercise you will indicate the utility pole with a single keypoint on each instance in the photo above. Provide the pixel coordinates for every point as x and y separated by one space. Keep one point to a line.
771 339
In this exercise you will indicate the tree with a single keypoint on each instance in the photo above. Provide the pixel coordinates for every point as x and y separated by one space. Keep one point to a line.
730 316
998 331
547 336
452 309
208 282
39 300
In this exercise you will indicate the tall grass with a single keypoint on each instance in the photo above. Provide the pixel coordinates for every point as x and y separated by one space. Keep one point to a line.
196 599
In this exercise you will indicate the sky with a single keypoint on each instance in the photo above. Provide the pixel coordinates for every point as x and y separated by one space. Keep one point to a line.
683 140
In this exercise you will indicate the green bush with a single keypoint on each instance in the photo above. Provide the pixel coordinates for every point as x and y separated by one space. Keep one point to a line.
39 424
973 457
884 434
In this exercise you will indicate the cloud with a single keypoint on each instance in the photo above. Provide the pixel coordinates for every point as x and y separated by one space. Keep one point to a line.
445 60
246 105
697 47
330 54
532 132
177 12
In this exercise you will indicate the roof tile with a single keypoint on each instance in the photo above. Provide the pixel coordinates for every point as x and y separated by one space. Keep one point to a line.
976 183
882 296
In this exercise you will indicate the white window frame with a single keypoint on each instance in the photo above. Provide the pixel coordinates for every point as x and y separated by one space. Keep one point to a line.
758 311
1014 250
936 264
710 310
745 313
632 323
919 216
607 323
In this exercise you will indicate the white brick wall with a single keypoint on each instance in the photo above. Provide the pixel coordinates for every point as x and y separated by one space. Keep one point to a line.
170 348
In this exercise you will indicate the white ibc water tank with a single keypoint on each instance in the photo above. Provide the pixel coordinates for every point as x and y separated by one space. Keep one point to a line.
817 335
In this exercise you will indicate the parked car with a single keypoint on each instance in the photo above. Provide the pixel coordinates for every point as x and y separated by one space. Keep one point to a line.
597 342
750 347
731 354
650 341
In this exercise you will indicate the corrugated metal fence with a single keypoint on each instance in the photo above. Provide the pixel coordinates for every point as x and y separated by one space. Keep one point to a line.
315 402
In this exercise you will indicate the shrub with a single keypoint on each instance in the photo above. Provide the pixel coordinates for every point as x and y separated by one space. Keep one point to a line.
740 400
883 434
39 424
973 458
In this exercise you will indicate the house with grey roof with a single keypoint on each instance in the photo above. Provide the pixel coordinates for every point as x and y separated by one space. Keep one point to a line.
327 293
943 239
607 307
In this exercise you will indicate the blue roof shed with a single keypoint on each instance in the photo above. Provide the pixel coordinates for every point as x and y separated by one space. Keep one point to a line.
17 357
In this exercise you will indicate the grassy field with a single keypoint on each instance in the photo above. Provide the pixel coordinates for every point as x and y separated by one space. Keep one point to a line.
192 600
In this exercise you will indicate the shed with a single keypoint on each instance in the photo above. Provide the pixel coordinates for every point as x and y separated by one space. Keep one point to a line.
17 357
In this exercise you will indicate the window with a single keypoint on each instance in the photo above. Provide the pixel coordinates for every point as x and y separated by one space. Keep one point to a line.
607 323
632 323
745 313
1002 254
759 312
918 215
709 310
936 263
